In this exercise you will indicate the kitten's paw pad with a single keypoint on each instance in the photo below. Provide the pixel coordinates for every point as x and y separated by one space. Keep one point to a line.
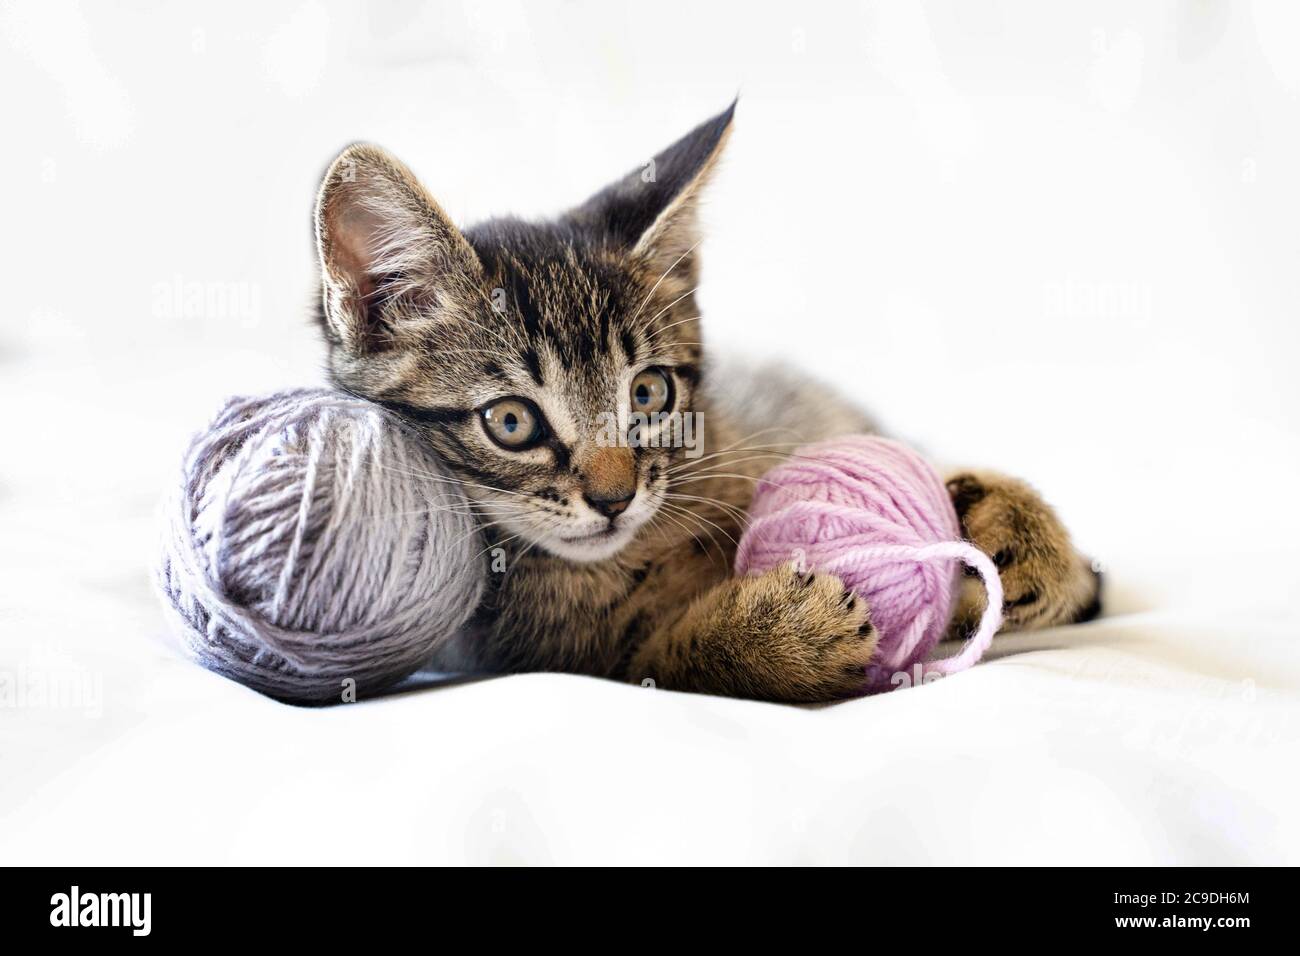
965 490
1044 581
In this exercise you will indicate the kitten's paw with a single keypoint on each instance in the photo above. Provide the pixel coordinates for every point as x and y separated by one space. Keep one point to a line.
1044 580
807 637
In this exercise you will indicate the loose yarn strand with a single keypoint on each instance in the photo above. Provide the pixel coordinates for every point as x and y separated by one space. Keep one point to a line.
990 620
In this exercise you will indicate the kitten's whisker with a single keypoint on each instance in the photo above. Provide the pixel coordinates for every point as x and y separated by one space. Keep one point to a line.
664 328
770 458
705 498
700 462
497 543
683 481
663 512
519 558
783 456
650 525
479 527
467 506
417 511
739 446
453 481
647 323
683 513
700 517
723 506
676 261
696 463
755 434
709 474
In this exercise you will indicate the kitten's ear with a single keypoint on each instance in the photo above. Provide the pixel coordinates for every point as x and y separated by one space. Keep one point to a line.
387 251
653 210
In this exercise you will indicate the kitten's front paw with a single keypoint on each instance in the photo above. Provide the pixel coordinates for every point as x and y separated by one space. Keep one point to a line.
1044 580
807 637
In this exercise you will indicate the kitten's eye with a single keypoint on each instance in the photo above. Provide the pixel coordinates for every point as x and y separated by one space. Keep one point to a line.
513 423
652 391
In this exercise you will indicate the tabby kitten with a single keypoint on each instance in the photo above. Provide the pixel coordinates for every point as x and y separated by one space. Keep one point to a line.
522 349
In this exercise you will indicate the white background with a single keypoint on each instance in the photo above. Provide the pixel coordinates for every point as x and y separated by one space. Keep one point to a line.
1056 239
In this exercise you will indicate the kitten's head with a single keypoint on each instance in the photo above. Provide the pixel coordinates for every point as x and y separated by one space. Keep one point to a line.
553 366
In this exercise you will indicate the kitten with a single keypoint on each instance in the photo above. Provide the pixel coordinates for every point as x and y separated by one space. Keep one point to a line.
524 350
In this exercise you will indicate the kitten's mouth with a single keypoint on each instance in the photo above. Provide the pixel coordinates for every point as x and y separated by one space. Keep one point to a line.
605 542
594 546
602 535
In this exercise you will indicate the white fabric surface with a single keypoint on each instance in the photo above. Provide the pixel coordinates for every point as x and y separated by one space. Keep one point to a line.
1145 738
1062 245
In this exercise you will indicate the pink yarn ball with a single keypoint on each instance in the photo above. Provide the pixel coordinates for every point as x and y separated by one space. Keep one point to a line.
876 514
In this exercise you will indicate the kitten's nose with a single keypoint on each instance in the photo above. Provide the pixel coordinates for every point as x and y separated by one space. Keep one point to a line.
610 507
608 479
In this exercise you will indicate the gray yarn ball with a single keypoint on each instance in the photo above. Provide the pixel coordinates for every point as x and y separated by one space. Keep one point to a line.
313 541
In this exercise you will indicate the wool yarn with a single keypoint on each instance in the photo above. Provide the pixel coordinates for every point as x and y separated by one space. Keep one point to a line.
314 541
875 513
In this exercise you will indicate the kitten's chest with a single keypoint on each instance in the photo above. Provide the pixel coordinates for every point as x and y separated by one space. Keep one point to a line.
549 614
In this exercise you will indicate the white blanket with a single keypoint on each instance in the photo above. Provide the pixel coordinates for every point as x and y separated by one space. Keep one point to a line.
1146 738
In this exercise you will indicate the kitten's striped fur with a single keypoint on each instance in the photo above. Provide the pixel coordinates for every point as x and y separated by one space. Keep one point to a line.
438 323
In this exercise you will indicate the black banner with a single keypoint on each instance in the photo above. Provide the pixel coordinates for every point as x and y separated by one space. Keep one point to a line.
323 906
